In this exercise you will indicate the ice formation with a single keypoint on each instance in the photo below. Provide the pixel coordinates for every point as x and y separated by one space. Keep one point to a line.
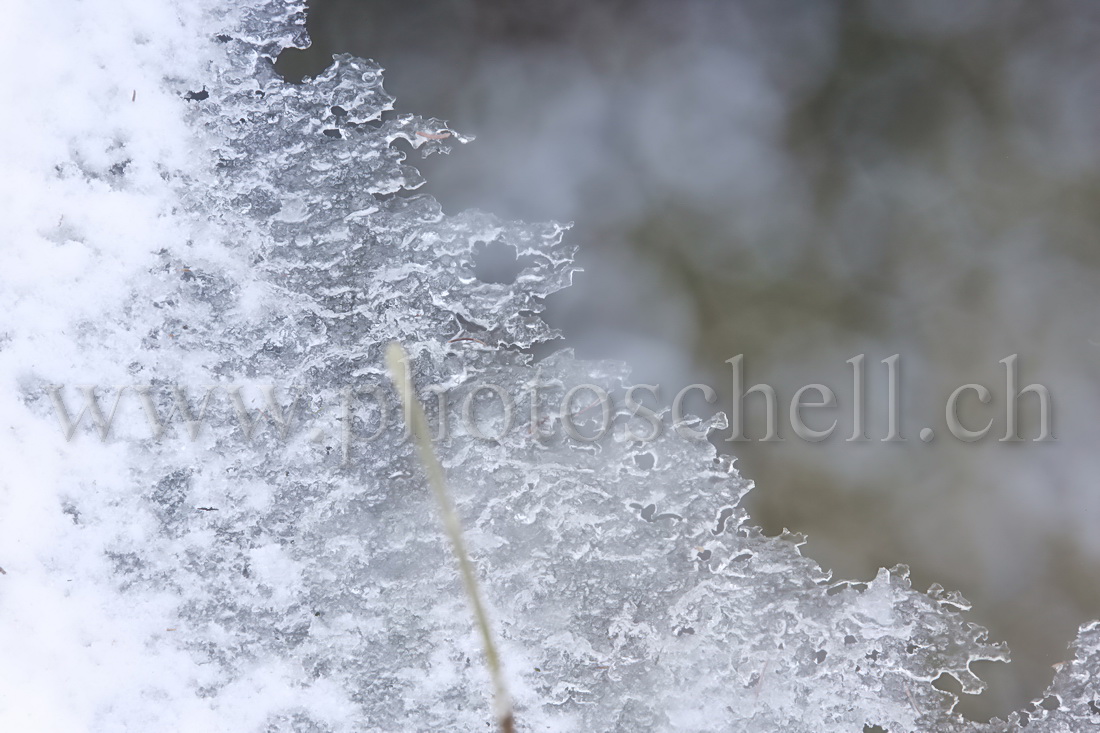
267 567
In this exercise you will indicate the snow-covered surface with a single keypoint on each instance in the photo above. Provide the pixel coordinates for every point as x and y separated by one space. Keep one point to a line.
176 215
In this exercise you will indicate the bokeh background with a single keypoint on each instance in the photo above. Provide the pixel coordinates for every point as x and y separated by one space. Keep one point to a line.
803 181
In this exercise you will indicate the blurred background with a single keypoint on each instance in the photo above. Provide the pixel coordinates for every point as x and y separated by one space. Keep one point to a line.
802 182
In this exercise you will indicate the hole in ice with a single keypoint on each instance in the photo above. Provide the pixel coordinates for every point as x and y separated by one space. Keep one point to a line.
649 513
297 64
723 517
497 263
948 683
645 461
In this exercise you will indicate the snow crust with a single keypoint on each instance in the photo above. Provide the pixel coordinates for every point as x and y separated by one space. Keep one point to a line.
179 217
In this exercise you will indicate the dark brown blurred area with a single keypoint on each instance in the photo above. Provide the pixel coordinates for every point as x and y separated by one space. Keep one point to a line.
803 182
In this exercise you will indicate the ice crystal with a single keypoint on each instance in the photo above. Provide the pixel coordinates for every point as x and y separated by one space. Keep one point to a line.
310 581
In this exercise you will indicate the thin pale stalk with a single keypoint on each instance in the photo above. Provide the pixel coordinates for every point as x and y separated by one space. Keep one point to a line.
398 362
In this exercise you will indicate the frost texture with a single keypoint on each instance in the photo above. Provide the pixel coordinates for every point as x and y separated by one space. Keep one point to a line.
311 574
